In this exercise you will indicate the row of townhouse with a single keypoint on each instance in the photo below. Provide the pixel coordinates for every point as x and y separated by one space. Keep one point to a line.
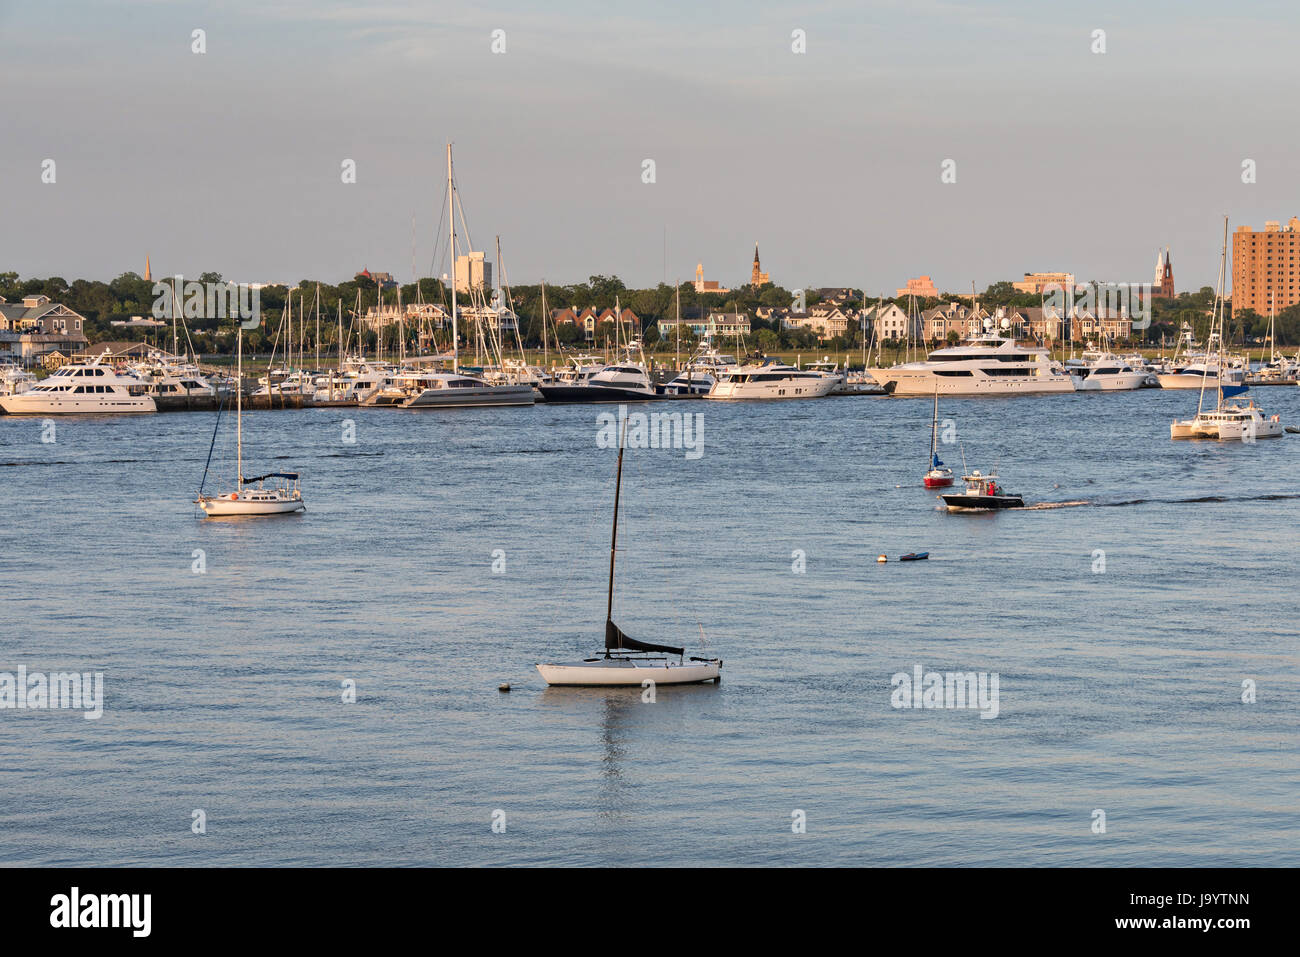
890 321
589 319
713 325
36 327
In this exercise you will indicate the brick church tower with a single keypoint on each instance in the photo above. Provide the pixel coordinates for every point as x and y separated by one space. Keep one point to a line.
1164 280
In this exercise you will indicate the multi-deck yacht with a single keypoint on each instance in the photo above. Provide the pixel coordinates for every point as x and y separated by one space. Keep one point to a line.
82 387
772 380
987 364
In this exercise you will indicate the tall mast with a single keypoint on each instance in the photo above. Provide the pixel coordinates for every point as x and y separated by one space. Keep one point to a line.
451 253
239 408
613 538
1216 317
545 354
317 325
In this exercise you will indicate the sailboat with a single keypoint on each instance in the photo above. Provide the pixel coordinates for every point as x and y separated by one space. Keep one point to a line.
939 476
1230 421
626 660
279 498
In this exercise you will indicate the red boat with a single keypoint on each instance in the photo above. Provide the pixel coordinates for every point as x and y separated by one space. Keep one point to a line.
939 476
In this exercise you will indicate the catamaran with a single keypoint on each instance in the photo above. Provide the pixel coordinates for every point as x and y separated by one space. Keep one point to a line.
1226 421
626 660
252 496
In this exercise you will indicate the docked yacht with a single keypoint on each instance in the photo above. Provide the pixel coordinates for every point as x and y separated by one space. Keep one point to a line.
699 375
1105 372
14 379
80 388
987 364
772 380
433 389
621 382
1212 372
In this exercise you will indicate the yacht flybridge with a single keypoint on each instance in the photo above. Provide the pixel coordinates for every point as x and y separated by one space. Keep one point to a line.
987 364
627 661
80 388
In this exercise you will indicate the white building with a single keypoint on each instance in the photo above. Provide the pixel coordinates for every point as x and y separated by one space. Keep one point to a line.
473 272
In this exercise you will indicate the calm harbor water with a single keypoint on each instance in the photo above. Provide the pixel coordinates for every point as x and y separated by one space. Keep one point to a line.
1120 689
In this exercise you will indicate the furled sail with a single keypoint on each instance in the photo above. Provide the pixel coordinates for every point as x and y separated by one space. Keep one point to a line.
615 640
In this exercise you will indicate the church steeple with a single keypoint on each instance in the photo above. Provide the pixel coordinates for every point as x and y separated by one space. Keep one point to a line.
757 277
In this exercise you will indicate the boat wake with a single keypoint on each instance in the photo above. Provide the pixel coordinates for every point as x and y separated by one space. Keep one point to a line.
1198 500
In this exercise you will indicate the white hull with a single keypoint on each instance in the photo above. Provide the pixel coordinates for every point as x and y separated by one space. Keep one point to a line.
1112 382
1194 380
1225 431
925 382
485 395
35 403
789 389
625 672
226 506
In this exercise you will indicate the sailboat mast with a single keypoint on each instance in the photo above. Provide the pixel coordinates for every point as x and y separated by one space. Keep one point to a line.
239 408
613 537
451 254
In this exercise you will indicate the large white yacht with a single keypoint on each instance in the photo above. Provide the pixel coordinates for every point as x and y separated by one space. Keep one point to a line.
435 389
1209 372
80 388
987 364
772 380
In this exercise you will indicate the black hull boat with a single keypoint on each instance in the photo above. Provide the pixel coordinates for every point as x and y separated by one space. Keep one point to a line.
983 494
594 393
961 502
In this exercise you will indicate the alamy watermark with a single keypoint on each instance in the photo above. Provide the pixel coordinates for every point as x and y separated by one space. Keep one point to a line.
653 430
208 300
62 690
974 690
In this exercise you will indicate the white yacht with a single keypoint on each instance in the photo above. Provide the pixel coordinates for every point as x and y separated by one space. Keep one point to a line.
1210 372
14 379
433 389
1105 372
772 380
987 364
80 388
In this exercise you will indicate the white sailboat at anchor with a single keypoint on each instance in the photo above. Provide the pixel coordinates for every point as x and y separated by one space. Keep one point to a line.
627 661
279 498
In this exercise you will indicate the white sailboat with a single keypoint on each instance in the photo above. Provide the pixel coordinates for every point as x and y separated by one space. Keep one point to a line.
252 496
627 661
1226 421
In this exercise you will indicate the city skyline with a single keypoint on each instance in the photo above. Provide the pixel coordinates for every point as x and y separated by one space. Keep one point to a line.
832 159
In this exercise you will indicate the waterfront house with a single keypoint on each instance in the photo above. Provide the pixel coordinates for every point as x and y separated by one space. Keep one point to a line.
34 327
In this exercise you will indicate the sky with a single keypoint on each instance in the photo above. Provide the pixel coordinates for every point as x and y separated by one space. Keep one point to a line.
231 160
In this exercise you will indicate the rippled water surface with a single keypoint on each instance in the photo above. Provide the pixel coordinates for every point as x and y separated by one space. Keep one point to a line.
1120 689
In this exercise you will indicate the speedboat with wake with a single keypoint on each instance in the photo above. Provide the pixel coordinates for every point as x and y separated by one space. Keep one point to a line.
983 494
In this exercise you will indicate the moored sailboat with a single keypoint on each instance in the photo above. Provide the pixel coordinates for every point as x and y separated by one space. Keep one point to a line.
252 496
626 660
939 475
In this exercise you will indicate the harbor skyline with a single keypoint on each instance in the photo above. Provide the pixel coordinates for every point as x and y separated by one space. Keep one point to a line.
843 144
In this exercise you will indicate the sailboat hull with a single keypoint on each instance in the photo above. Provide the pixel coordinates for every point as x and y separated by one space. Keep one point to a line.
628 672
216 507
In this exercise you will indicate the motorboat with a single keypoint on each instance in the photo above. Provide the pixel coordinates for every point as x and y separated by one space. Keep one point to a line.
987 364
81 388
982 494
771 380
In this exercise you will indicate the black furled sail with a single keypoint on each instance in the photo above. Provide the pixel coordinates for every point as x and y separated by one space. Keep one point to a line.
615 640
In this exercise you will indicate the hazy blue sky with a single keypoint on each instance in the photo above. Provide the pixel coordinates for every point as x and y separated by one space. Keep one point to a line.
230 160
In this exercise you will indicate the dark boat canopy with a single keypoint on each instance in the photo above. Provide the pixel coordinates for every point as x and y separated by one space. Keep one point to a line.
615 640
291 476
